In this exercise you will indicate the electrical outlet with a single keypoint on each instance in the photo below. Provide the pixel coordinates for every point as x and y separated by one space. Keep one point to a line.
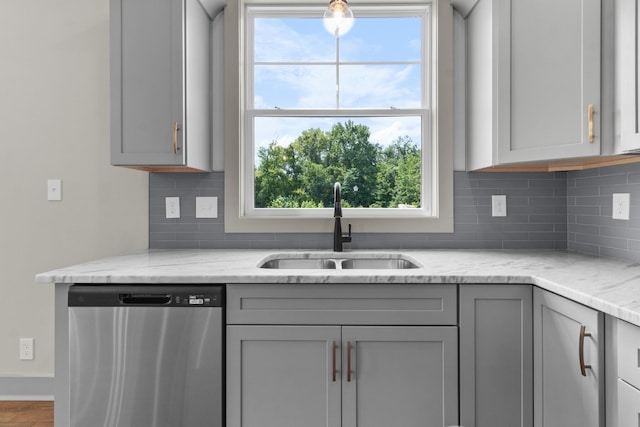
498 205
621 202
26 348
172 206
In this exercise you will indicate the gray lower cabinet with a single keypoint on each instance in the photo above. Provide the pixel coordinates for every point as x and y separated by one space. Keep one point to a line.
283 376
568 363
332 376
160 84
344 355
628 368
628 405
496 355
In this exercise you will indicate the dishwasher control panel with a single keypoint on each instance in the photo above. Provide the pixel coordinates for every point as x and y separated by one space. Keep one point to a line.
146 295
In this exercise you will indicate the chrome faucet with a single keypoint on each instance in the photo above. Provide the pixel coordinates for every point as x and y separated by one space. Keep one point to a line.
338 238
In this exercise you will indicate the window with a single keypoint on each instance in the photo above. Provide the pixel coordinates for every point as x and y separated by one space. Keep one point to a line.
314 109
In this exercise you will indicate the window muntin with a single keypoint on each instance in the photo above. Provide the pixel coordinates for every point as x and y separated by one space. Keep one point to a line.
300 78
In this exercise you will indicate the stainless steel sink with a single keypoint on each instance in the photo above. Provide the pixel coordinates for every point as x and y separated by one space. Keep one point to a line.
378 263
339 261
301 263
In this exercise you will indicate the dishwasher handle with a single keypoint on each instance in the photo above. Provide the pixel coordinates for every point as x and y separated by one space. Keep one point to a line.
145 299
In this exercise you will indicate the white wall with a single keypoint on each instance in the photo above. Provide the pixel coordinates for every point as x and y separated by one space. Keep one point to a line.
54 124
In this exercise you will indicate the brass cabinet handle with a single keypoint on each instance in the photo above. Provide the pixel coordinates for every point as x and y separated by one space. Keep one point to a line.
175 137
335 346
583 367
348 361
590 113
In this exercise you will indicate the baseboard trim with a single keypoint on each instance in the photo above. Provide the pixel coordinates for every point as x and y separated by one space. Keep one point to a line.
26 388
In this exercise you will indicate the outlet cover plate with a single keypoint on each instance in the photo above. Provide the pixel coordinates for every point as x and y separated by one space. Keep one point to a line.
498 205
206 207
172 207
621 202
26 348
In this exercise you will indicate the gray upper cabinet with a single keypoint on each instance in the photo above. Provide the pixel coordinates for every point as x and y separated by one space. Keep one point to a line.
627 64
533 75
568 363
160 85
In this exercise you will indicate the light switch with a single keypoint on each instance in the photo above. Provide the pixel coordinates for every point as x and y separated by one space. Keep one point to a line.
54 189
206 207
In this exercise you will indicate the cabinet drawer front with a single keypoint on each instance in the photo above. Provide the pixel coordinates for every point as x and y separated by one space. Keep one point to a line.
342 304
629 353
628 405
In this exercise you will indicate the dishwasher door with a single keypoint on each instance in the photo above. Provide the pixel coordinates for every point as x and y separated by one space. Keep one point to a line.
146 356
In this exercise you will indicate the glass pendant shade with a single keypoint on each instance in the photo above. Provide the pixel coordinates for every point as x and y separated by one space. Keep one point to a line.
338 18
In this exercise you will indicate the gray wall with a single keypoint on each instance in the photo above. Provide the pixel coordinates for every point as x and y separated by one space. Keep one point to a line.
589 207
536 207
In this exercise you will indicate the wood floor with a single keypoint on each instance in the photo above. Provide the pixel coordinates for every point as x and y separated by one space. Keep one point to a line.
26 414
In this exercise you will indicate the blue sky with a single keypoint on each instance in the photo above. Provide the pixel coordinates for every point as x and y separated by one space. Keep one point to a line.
362 85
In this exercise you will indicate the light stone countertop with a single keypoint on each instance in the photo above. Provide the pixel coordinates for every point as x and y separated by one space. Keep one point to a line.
610 286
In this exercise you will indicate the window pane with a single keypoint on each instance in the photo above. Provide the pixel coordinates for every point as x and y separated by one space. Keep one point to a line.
380 86
378 161
292 40
382 40
301 86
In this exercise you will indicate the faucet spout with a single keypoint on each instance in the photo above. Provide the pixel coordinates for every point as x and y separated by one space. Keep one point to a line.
338 238
337 200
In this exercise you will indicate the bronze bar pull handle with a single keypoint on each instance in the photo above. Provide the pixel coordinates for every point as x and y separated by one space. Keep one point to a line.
583 367
591 136
348 361
175 137
334 361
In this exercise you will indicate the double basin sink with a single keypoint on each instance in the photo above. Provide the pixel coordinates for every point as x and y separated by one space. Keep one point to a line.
339 261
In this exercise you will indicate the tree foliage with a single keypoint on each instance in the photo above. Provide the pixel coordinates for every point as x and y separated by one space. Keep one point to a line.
303 174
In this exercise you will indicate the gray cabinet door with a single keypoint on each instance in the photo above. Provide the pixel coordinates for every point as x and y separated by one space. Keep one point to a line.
496 355
283 376
551 67
628 405
399 376
159 71
534 70
563 394
627 65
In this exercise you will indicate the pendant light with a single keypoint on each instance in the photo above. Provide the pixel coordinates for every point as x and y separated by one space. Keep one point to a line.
338 18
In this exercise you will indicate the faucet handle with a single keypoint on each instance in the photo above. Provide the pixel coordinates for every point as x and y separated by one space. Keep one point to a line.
347 238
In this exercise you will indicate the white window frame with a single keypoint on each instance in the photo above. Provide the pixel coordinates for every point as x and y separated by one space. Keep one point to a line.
436 215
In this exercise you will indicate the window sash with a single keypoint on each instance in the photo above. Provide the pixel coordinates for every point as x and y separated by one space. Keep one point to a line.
247 151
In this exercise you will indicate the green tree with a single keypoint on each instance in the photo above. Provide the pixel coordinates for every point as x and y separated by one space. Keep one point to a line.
407 189
271 177
352 151
303 174
398 174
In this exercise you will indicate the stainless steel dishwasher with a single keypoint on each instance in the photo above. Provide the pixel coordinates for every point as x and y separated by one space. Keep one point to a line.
143 355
